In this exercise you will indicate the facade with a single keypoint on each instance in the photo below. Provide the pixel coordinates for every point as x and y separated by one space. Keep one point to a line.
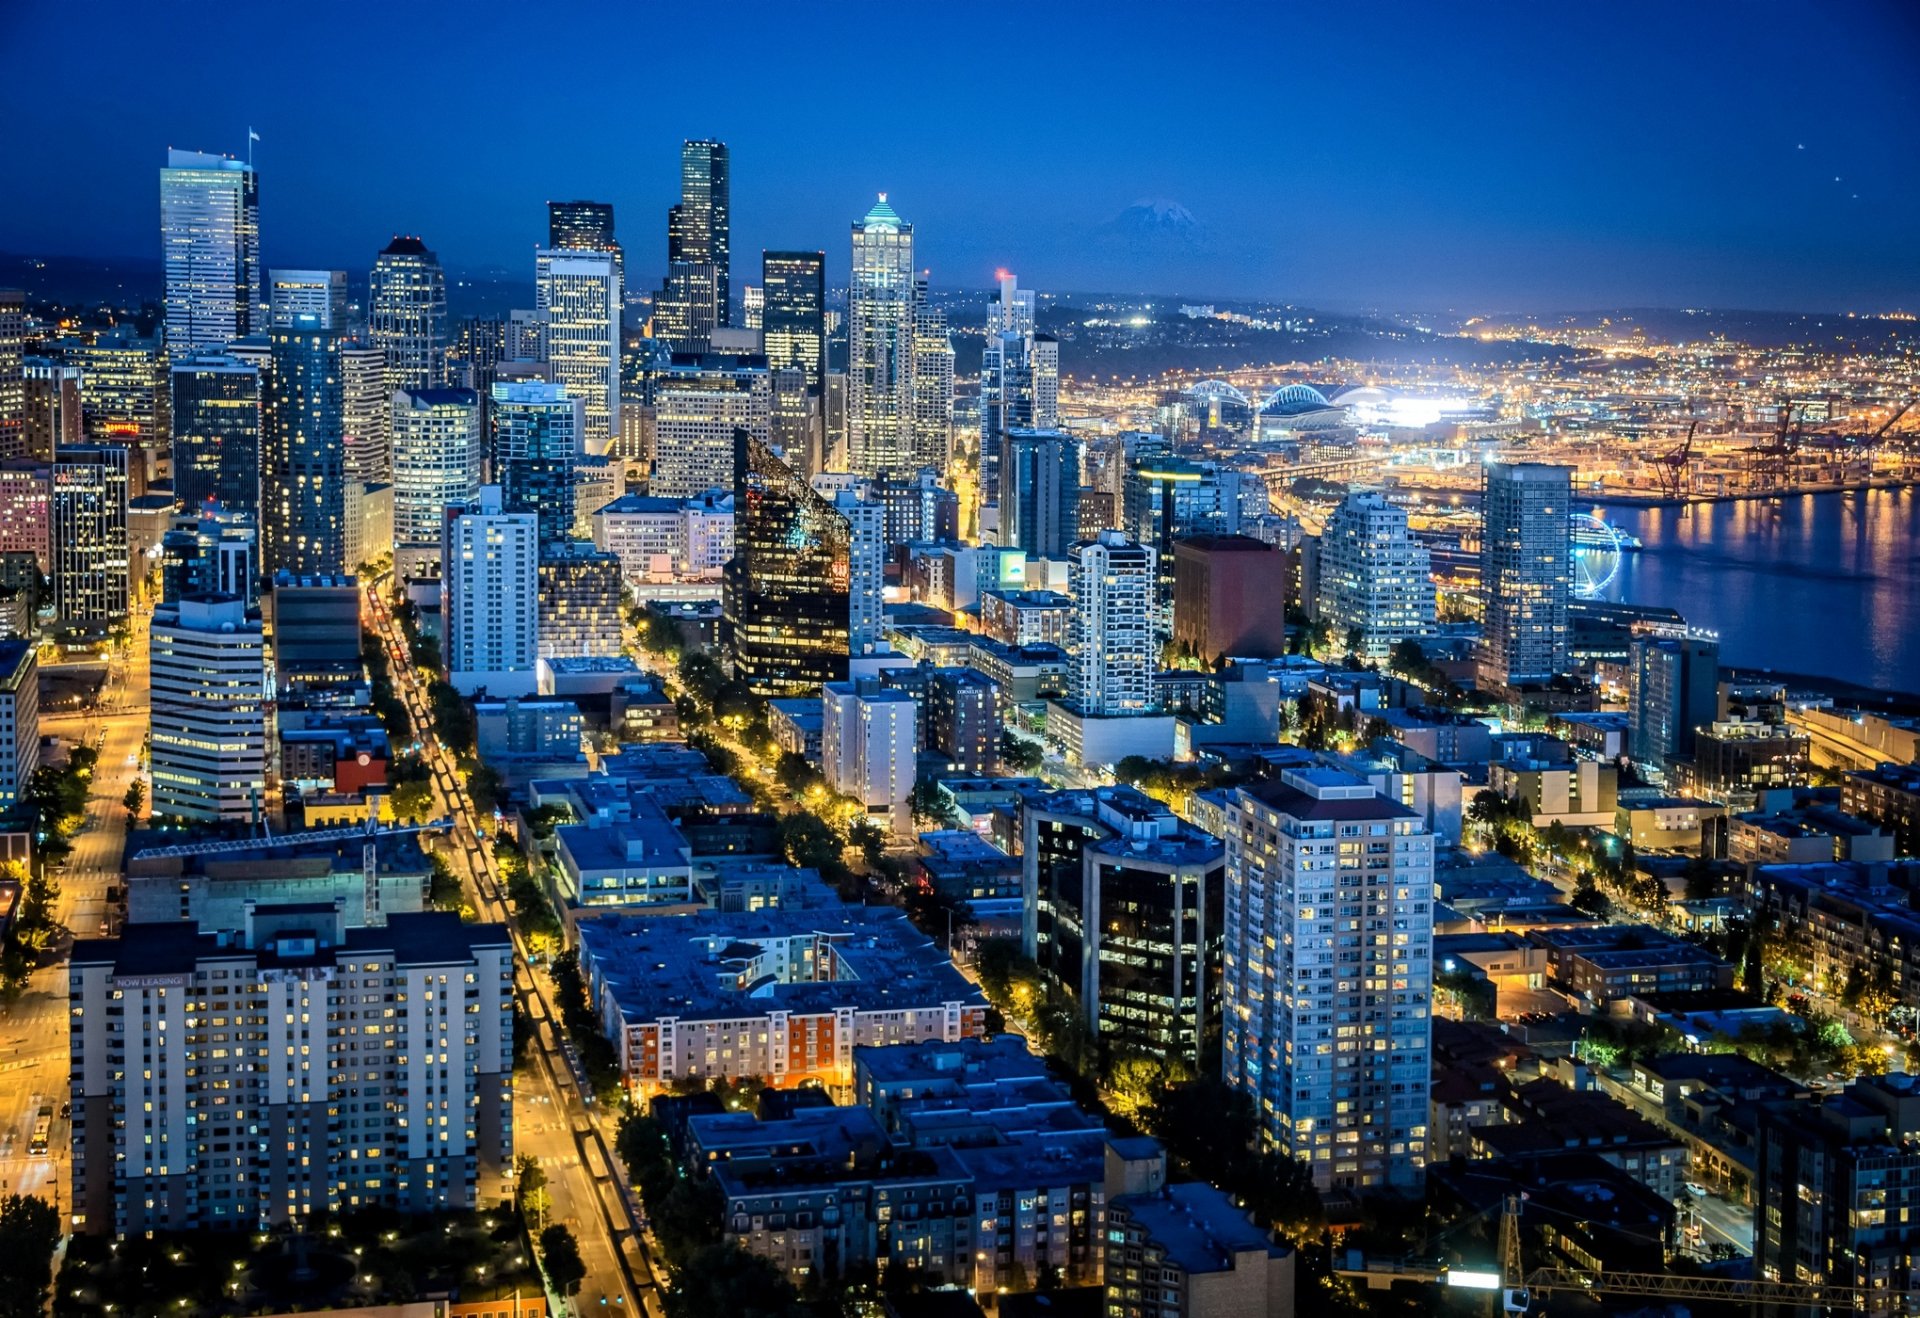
210 250
582 226
793 318
437 460
963 719
880 356
579 600
366 402
19 719
1889 795
1039 492
490 612
580 295
1188 1251
700 242
212 552
1328 974
1026 617
698 403
316 641
1375 578
668 539
217 415
13 384
868 744
123 388
303 472
865 517
1228 597
536 451
1675 685
786 590
87 535
932 420
321 294
1526 573
208 726
407 314
403 1105
1112 641
53 418
1019 377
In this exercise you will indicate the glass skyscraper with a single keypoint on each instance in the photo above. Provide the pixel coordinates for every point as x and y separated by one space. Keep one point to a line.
216 406
437 460
407 313
303 477
700 228
793 317
580 294
210 248
1526 573
536 451
880 324
785 595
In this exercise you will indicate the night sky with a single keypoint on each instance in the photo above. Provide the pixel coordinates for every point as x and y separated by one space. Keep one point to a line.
1415 155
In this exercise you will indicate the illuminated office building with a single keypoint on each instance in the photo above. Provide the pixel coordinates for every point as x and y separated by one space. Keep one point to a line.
87 535
793 316
753 308
321 294
699 402
785 592
880 358
932 383
210 250
303 469
1040 492
210 551
1375 579
53 415
536 452
123 388
583 226
407 314
1526 573
13 386
858 504
208 727
19 718
438 461
700 228
366 400
217 416
580 294
1019 376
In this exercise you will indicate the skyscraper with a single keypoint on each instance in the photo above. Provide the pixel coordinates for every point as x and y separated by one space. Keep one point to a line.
87 535
303 469
579 600
1375 578
932 383
123 388
700 228
1040 493
210 551
1328 975
208 725
366 400
866 517
13 386
785 594
19 718
580 294
536 451
210 248
490 597
880 359
583 226
793 319
1019 377
1675 684
1111 636
407 313
318 293
217 419
699 404
438 456
1526 573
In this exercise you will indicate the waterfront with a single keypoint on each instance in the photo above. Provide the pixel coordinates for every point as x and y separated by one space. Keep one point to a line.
1825 584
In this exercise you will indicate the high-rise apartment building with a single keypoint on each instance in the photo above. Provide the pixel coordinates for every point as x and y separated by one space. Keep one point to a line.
19 718
699 403
13 387
1526 573
536 452
210 250
785 592
1019 377
87 535
793 320
866 519
303 469
753 308
438 461
207 729
407 314
217 419
868 744
490 597
366 401
963 719
1040 492
321 294
1164 499
1111 635
1375 579
880 358
54 415
580 588
1675 690
312 1101
1328 974
579 294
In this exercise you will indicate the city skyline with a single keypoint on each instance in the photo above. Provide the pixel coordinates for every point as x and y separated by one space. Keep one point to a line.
1548 181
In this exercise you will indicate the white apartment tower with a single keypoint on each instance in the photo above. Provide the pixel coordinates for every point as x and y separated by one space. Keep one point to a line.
1375 578
208 723
881 302
490 597
1328 975
932 383
437 458
579 294
210 249
868 745
1111 632
854 499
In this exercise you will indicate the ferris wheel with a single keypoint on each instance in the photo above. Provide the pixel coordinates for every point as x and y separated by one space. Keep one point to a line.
1596 554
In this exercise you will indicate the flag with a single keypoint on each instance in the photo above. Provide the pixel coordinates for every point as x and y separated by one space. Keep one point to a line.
252 136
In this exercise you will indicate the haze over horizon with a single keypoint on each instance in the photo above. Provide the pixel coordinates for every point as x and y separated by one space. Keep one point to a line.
1523 160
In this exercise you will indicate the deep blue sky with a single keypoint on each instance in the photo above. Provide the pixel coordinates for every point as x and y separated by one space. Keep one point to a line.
1404 155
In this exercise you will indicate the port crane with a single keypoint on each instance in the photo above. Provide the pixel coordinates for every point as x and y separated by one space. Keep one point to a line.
1674 470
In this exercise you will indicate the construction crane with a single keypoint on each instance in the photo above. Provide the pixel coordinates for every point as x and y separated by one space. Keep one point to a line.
1674 470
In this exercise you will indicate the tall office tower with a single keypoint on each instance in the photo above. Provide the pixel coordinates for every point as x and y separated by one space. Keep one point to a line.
19 718
526 335
438 461
480 344
700 228
1837 1192
880 321
123 388
181 1152
866 518
210 551
1526 573
793 320
87 535
54 415
366 402
1040 492
932 383
1375 578
1111 633
536 452
1019 377
303 469
217 422
321 294
1009 307
26 489
580 589
210 248
584 226
1675 686
683 310
407 313
1229 598
793 417
753 308
490 597
1122 911
868 748
1329 974
13 387
579 293
699 405
784 594
208 726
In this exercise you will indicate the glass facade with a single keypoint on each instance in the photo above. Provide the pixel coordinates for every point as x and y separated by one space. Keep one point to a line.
786 592
793 314
407 314
216 409
536 449
303 477
210 249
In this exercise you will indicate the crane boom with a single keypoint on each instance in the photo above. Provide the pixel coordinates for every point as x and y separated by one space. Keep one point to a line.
1660 1284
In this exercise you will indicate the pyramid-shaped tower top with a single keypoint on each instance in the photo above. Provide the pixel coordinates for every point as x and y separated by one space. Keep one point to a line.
882 216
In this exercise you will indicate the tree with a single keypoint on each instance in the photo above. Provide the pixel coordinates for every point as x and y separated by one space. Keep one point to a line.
530 1194
1135 1081
1589 900
135 799
486 788
724 1279
1019 754
560 1255
29 1230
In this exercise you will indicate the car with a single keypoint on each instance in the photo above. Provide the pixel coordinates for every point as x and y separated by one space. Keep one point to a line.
1696 1190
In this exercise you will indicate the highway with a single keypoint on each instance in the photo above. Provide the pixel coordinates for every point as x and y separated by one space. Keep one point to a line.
554 1118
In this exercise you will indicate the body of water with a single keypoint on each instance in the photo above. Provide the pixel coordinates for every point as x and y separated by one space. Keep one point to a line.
1823 584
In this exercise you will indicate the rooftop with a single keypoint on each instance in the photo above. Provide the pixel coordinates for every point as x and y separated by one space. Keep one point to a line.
1197 1226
